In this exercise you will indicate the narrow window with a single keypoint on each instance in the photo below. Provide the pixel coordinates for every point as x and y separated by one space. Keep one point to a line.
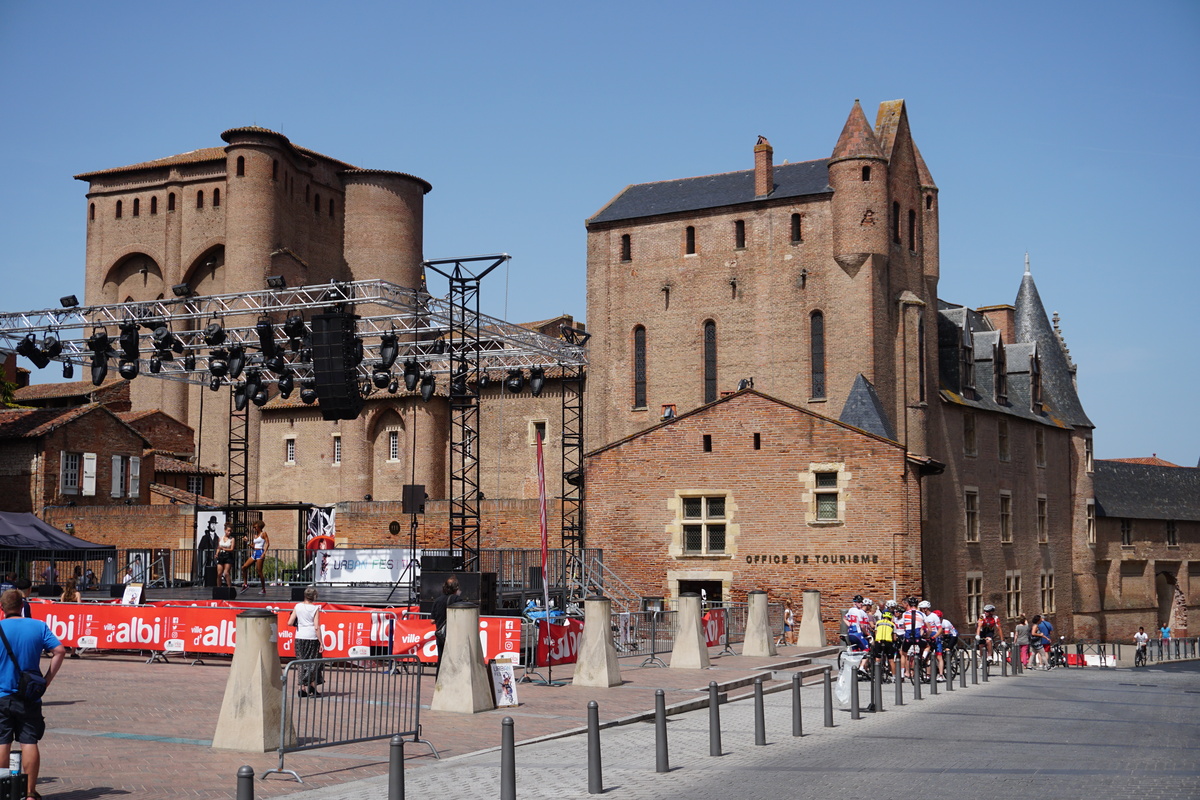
153 205
1012 592
970 446
1035 385
331 208
1088 455
275 169
70 473
537 430
817 354
137 207
974 596
1048 592
758 441
912 230
797 231
1172 534
200 199
171 201
1091 521
921 360
1039 446
866 174
708 442
1006 532
639 367
241 166
827 496
1043 526
337 449
393 445
928 202
710 361
216 198
289 451
119 207
971 507
1002 439
626 248
896 223
967 361
1126 533
317 204
92 212
739 234
690 244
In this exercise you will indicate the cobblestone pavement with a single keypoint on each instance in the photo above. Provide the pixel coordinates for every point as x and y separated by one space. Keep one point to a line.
1064 734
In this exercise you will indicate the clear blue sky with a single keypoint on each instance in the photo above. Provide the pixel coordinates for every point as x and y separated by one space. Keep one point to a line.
1058 128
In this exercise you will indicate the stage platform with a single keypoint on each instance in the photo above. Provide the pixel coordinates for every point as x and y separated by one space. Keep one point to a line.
376 595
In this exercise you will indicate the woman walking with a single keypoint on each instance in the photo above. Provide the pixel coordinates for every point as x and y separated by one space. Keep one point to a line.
259 545
789 623
225 557
306 619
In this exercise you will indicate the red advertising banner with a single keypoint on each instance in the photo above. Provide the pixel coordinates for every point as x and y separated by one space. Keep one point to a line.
558 641
714 627
347 632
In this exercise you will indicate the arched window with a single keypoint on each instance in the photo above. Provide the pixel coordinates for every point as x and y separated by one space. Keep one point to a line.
626 248
171 201
912 230
200 199
690 240
92 211
739 234
896 223
928 202
710 361
816 324
137 207
866 174
153 205
119 206
797 231
639 367
241 166
216 198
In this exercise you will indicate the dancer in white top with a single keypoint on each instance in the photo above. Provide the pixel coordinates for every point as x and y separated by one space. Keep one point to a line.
260 544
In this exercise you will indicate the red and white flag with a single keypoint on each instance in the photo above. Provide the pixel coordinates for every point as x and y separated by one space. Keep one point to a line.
541 475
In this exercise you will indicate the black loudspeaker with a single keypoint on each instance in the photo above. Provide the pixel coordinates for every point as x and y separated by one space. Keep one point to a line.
224 593
477 587
412 499
48 590
336 355
441 563
210 576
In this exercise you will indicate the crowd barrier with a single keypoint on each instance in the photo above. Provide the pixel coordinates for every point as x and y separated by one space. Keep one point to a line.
358 700
1172 649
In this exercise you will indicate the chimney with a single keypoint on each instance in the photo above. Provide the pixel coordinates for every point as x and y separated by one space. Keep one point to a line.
764 169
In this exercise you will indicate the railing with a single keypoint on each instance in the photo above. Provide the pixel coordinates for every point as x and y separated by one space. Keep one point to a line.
593 574
356 700
644 633
1173 649
737 615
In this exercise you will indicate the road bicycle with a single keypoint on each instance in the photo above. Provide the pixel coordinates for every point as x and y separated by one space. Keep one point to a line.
1139 656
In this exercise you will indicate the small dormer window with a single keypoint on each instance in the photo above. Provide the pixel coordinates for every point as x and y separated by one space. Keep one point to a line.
1000 376
1035 383
967 361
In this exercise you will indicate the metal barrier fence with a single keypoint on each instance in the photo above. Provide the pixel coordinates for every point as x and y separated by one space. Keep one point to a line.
737 615
357 700
644 633
1172 649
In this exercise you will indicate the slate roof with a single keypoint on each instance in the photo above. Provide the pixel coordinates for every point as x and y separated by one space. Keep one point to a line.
864 410
1145 491
1058 385
713 191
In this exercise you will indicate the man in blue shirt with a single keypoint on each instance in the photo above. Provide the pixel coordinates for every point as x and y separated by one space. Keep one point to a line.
21 719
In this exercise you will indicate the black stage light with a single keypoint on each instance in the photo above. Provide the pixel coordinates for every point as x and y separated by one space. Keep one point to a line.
389 349
98 341
189 362
29 348
356 357
306 355
412 374
182 290
240 398
276 363
574 477
458 383
537 380
253 381
70 301
237 360
129 340
99 367
515 381
165 340
745 383
294 327
214 383
51 346
427 386
155 365
484 380
214 334
266 336
260 397
308 391
439 347
286 382
128 369
393 387
276 282
218 363
68 370
381 379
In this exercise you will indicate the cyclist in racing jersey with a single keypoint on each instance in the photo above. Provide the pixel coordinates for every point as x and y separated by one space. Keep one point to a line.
858 625
933 632
885 641
874 613
912 630
949 634
987 630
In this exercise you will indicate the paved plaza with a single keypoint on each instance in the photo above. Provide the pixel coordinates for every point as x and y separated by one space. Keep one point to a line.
118 726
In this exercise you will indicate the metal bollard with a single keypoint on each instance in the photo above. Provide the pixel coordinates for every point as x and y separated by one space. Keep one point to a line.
948 660
933 689
975 665
899 688
987 667
595 779
714 720
396 768
1004 665
962 670
760 718
828 698
877 687
917 674
661 761
854 713
245 783
508 760
797 720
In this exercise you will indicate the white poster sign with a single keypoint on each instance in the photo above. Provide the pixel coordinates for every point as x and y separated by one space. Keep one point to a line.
504 682
374 565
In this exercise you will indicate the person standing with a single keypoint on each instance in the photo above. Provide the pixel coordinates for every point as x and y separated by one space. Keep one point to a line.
25 586
789 623
1164 640
306 619
225 557
450 595
259 545
1022 637
22 719
1039 642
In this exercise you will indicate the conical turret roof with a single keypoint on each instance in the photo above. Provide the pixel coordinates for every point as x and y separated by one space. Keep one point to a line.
1058 384
857 139
923 170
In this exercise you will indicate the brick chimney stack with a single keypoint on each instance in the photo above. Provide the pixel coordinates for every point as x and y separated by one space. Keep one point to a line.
764 168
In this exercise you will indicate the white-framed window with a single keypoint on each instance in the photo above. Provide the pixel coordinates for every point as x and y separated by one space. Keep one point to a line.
71 463
289 451
1043 522
704 524
1012 592
971 514
1002 438
827 496
195 484
126 476
393 445
88 489
1048 591
1006 530
827 485
337 449
1091 521
974 596
535 428
970 445
1039 446
1089 456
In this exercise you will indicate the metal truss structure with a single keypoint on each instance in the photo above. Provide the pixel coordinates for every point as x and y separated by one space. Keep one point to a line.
572 457
197 339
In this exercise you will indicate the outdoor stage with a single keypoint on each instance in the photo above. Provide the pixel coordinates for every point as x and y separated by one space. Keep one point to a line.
372 595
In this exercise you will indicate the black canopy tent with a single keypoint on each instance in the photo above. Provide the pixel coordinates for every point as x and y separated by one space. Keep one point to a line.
32 548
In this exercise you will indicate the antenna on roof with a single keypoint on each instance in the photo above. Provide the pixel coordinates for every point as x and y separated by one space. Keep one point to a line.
1026 262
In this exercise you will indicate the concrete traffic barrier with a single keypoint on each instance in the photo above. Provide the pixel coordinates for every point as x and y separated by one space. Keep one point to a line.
597 664
253 702
690 650
462 682
811 633
758 641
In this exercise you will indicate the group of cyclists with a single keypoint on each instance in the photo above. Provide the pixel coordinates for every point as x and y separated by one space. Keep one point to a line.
913 635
